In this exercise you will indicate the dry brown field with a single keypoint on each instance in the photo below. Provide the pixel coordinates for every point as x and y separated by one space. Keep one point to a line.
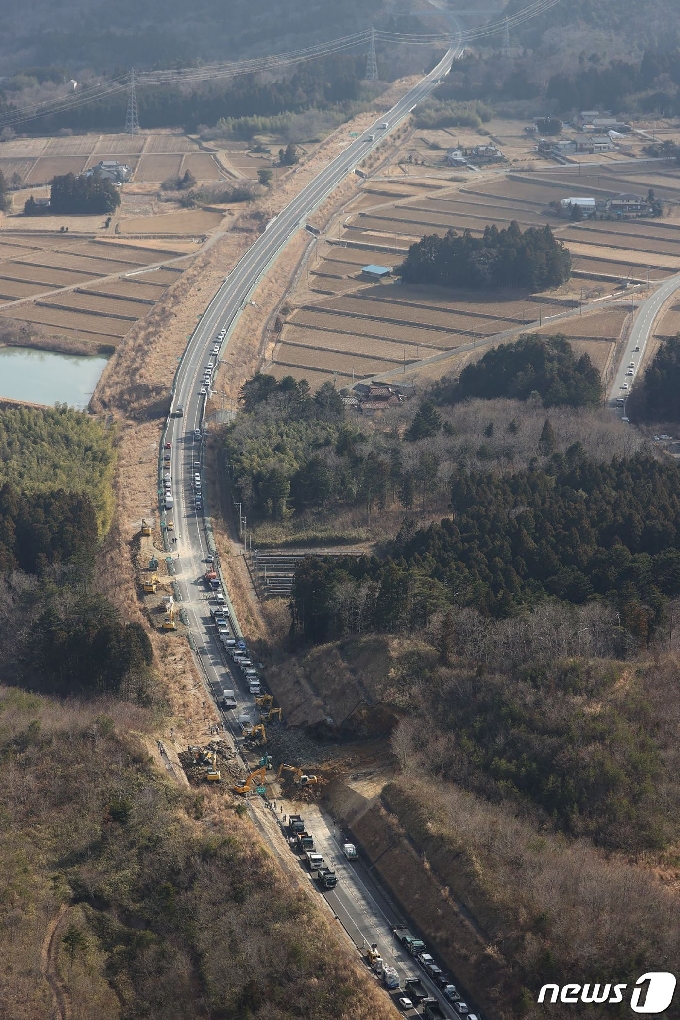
605 324
85 264
43 276
133 288
600 352
82 145
16 166
169 143
392 312
157 168
339 364
48 167
73 320
348 343
189 221
13 290
126 145
89 302
315 379
376 328
202 166
669 324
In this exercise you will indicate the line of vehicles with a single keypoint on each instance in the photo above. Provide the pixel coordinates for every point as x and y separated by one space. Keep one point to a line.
416 995
301 843
209 369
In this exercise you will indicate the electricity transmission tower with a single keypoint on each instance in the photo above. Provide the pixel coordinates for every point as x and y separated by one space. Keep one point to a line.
131 117
371 62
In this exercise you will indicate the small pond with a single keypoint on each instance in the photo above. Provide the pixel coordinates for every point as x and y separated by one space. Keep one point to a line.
45 377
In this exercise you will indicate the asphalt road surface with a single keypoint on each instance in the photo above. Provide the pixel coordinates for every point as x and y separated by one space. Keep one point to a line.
637 341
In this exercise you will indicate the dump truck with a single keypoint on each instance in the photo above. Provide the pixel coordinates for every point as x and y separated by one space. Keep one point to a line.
304 841
415 989
326 878
415 946
390 976
432 1009
402 933
296 823
314 860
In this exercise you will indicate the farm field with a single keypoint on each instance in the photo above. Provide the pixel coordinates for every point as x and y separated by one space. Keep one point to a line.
98 311
188 221
44 169
157 168
340 323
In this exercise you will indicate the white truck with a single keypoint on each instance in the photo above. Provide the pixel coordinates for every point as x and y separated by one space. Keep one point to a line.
390 976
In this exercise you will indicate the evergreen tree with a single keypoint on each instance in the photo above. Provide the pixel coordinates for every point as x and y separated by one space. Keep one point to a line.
547 444
426 423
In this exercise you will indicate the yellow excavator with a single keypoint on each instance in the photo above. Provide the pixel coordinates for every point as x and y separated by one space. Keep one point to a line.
299 777
273 713
255 778
257 734
207 760
264 700
169 619
146 527
150 584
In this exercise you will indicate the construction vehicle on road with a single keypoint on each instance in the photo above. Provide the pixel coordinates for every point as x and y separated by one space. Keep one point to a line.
266 760
296 823
432 1009
304 841
255 779
256 734
169 619
415 989
146 528
150 585
325 877
264 700
390 976
299 777
373 955
273 713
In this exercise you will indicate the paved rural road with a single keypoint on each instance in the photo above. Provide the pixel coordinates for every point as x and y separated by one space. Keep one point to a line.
356 902
639 335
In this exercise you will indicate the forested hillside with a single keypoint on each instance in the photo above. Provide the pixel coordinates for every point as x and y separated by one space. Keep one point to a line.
170 902
147 34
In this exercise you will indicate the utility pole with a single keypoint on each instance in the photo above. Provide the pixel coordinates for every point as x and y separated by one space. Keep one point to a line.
132 118
371 62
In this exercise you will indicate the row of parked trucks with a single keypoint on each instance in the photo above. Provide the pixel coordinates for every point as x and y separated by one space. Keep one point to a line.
302 842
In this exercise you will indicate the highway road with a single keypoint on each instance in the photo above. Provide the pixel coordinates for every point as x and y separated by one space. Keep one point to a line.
190 543
191 533
647 314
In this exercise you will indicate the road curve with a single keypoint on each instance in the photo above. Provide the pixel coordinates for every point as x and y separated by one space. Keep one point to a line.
637 341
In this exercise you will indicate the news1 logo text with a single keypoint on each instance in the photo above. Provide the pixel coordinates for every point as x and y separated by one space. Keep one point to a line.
651 993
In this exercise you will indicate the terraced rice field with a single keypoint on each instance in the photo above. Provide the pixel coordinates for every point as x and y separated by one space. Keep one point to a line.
669 324
130 288
348 343
9 167
78 146
121 144
82 323
43 276
117 307
12 290
606 324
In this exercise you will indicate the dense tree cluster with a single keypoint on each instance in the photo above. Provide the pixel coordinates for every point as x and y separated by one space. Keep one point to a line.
86 195
657 397
44 529
545 365
575 530
533 260
81 646
43 449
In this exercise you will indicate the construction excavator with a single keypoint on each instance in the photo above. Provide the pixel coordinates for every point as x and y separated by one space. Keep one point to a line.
264 700
169 619
266 760
146 527
273 713
208 761
255 779
256 734
299 777
150 585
